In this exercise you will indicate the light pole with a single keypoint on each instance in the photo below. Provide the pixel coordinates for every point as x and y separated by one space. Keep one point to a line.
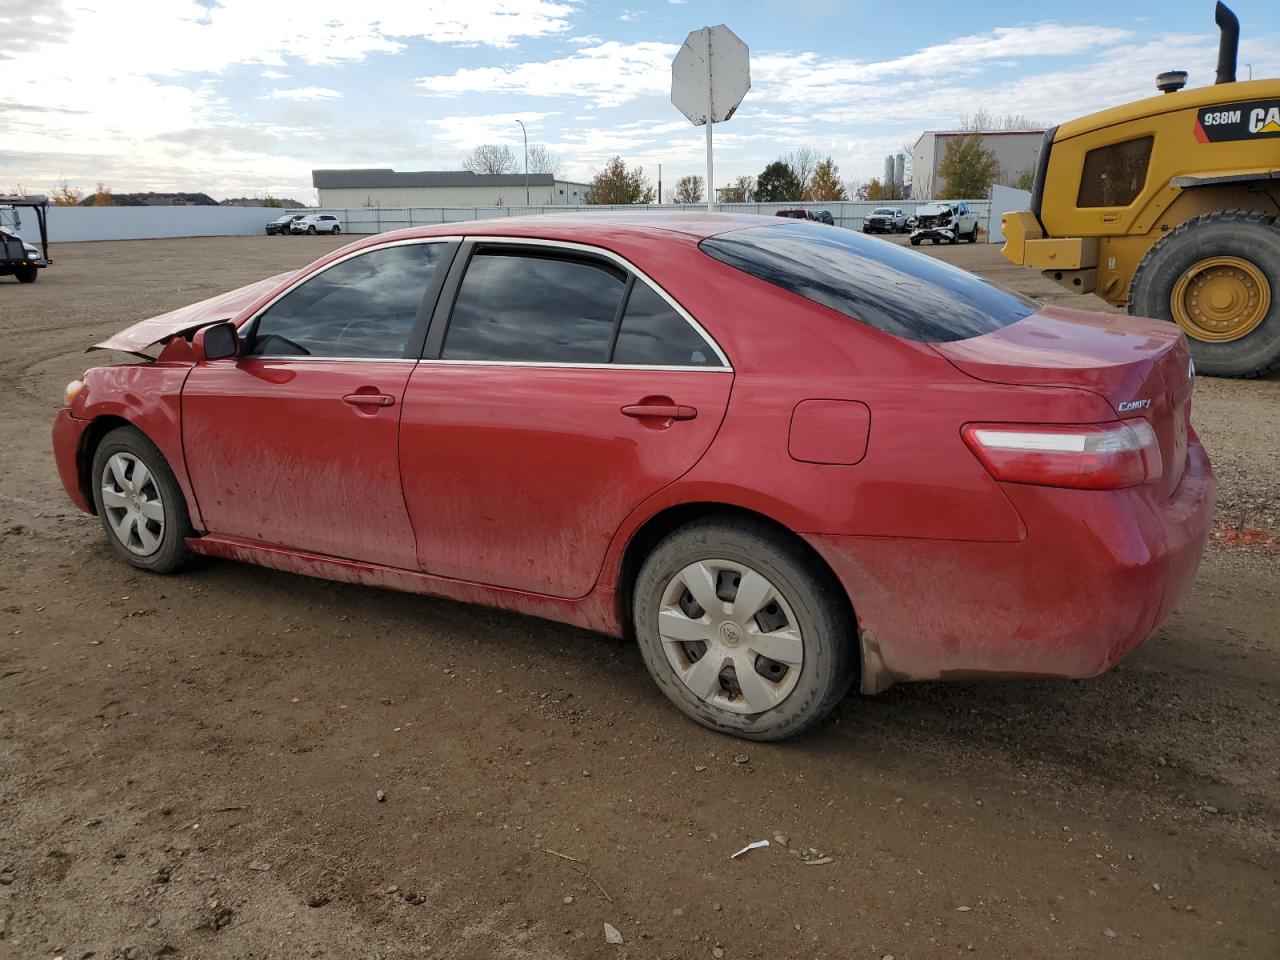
526 161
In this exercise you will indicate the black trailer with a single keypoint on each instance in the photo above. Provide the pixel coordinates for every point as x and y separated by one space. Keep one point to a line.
18 258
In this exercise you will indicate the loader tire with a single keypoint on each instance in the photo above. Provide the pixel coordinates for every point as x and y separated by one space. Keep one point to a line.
1218 277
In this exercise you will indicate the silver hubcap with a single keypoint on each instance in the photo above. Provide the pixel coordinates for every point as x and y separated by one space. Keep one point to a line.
131 501
730 636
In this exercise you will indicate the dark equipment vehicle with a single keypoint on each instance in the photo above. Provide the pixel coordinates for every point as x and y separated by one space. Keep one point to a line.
280 226
18 258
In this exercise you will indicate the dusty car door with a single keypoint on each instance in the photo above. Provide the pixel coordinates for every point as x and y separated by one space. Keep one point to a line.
294 442
563 392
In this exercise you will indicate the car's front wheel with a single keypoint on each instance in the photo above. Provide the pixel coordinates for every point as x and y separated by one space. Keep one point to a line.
742 630
26 274
139 502
311 229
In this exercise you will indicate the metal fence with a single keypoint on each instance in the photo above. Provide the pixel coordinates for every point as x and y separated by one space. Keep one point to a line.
848 214
142 223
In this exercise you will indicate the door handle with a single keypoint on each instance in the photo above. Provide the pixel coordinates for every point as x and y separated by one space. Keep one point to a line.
660 411
369 400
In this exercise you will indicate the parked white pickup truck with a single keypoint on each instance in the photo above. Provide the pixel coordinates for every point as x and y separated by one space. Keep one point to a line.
947 221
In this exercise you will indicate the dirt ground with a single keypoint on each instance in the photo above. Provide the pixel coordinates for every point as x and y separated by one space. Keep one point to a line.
189 765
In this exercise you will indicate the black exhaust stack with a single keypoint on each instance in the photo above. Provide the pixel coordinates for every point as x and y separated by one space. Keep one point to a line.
1228 43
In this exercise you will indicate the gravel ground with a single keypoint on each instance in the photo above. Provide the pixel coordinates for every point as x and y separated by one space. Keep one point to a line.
191 766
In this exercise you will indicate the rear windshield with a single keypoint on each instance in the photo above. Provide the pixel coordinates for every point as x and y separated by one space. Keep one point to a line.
896 290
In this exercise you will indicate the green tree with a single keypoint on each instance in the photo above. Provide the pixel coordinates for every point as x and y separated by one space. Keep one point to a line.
1026 179
616 184
777 183
968 168
824 183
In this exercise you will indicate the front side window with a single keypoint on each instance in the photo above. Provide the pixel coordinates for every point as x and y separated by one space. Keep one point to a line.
364 307
518 305
898 291
1113 176
653 333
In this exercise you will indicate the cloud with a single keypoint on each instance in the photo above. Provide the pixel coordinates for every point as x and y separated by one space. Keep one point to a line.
273 75
304 93
609 74
466 131
112 86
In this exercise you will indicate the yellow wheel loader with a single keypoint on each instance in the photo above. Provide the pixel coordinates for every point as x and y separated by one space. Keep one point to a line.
1168 206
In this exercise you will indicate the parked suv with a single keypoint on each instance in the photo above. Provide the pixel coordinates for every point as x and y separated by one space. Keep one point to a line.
951 222
886 220
316 223
280 226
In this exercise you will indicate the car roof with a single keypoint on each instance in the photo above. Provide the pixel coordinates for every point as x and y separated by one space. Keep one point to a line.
586 227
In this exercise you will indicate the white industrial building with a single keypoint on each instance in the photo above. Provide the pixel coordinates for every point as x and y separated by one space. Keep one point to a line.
348 189
1016 150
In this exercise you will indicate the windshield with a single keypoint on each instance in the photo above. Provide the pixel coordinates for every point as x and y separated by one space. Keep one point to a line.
882 212
901 292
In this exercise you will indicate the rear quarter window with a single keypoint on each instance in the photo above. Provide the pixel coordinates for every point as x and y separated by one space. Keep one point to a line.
896 290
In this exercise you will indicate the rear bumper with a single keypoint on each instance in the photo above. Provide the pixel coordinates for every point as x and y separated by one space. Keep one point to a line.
1098 572
68 432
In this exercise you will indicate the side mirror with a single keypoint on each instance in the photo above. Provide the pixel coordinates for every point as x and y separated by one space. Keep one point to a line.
218 342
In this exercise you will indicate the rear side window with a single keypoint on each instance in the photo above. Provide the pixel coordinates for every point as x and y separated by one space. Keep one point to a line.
1113 176
364 307
901 292
654 334
533 308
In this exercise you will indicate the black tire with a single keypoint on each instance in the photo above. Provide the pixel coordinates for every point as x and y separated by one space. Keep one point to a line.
336 231
1247 234
973 235
826 625
311 229
915 241
26 274
172 553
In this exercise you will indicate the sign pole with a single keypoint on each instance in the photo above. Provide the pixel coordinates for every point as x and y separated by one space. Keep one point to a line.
710 115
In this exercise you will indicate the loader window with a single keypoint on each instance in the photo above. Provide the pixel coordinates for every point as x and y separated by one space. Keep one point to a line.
1113 176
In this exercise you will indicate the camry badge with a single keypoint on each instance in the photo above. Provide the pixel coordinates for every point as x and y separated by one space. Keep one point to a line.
1133 405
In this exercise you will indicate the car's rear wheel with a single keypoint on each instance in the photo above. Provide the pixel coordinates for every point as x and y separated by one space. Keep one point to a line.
337 230
139 502
743 631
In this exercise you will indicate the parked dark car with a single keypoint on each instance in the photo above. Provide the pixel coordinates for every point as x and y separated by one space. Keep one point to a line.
797 214
824 216
280 225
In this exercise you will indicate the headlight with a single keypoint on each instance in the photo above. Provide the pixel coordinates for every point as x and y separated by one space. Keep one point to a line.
72 391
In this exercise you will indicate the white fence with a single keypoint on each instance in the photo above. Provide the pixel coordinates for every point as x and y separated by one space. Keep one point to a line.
141 223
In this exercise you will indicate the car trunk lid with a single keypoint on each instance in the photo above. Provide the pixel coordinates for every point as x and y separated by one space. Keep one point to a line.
1141 367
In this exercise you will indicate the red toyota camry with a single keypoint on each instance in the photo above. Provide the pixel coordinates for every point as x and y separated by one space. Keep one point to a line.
786 458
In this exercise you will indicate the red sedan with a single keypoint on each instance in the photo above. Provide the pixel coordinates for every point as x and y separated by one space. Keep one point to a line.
785 458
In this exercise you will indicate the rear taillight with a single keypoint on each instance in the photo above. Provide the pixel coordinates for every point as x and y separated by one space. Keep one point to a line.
1095 456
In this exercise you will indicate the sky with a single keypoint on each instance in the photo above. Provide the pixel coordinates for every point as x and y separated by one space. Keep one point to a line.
246 97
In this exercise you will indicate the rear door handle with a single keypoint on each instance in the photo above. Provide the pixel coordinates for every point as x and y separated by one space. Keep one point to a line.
369 400
660 411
